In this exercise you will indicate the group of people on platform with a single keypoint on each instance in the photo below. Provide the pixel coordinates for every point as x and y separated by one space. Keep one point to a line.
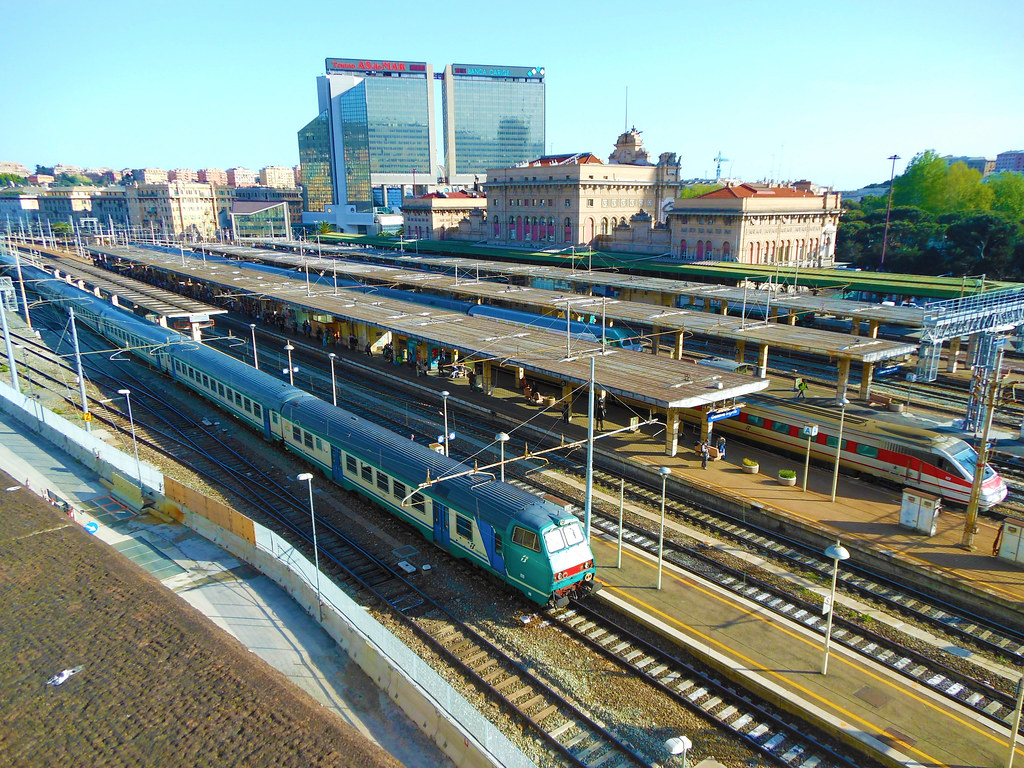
704 449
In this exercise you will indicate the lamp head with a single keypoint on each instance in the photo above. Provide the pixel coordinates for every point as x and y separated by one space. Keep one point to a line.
304 476
664 471
501 437
124 391
837 552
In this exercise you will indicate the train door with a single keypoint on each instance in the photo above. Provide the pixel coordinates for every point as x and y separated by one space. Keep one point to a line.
336 471
267 434
492 545
441 535
913 470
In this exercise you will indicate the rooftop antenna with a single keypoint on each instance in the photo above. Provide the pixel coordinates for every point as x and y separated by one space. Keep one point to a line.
718 167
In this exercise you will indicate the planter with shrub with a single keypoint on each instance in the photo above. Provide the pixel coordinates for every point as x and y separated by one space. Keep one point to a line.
787 477
750 466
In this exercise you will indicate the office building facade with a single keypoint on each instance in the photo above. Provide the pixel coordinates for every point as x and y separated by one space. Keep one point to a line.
494 117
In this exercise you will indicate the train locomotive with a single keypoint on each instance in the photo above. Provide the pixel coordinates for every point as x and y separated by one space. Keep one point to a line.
534 545
904 455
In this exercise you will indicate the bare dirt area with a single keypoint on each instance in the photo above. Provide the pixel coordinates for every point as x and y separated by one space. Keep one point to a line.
159 684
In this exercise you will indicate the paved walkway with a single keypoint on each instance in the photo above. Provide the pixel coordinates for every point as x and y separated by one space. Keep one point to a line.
237 598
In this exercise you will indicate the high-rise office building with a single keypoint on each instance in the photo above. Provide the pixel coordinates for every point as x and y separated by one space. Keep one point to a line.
494 117
380 119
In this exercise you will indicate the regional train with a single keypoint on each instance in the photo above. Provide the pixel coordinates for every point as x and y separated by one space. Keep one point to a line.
904 455
529 542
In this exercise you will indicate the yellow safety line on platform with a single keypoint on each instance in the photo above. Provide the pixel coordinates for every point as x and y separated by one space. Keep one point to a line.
872 727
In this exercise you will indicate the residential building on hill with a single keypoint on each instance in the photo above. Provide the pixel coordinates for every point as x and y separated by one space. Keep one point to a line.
183 174
213 176
149 175
1011 160
242 177
277 176
175 208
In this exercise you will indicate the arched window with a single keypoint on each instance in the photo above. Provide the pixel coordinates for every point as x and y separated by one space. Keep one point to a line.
682 249
725 250
700 250
535 229
519 228
551 229
752 253
568 230
588 230
708 249
497 228
604 226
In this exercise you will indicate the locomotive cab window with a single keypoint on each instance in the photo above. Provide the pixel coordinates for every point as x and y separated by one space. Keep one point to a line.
525 538
296 434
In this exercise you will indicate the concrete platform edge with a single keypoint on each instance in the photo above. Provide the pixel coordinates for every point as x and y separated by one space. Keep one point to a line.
779 697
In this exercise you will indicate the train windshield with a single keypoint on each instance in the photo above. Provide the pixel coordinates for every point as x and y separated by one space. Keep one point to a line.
556 539
967 458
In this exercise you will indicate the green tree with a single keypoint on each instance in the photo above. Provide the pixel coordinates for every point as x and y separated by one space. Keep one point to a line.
62 228
696 190
922 185
1008 194
12 180
963 190
980 242
324 228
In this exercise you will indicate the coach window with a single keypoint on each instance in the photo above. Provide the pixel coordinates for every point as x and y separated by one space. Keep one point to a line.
238 400
350 465
307 439
367 472
206 381
296 434
755 421
273 417
525 538
779 426
220 389
257 410
398 489
419 501
867 450
464 527
248 404
319 445
832 442
382 482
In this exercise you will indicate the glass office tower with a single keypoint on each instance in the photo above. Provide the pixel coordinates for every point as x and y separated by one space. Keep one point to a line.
381 126
493 118
315 164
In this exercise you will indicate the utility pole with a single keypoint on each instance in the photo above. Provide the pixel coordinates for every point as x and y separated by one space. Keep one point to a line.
888 208
971 520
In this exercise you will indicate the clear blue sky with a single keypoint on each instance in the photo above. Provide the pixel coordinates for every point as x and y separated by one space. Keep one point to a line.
784 89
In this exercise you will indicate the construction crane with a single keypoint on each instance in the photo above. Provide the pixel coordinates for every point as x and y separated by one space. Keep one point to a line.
718 167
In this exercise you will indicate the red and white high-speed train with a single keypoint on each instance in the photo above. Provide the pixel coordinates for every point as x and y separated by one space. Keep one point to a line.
939 464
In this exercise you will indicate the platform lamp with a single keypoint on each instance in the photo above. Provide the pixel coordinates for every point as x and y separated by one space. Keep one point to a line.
678 745
291 378
255 359
308 477
502 438
444 397
664 472
837 552
334 383
128 400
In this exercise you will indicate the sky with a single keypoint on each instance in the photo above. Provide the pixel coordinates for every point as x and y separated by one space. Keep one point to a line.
784 90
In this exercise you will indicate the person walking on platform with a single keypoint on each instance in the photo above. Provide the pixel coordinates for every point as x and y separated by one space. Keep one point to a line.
599 413
566 411
721 447
368 350
801 390
705 454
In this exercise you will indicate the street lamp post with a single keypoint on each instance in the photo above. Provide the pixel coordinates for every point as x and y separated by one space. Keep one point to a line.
888 208
255 357
839 447
678 745
811 430
334 383
837 552
291 378
502 438
10 348
308 477
664 472
444 397
128 400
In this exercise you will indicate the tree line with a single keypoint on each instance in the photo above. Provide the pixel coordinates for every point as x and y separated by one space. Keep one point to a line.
945 219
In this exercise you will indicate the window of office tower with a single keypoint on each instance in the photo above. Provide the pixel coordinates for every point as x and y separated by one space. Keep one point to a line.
498 123
397 115
354 133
